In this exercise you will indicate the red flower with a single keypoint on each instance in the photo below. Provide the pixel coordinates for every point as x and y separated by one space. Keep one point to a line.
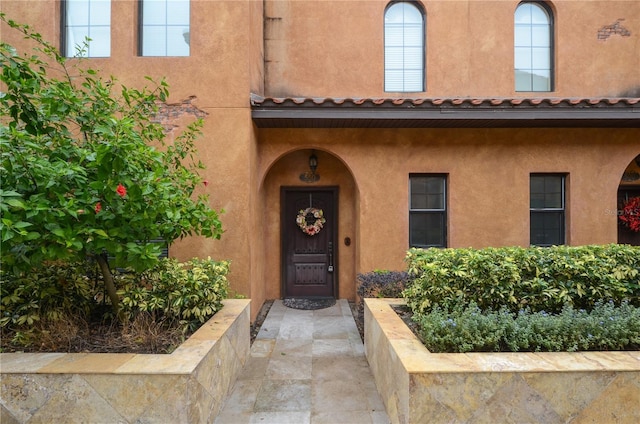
121 190
630 214
98 207
205 182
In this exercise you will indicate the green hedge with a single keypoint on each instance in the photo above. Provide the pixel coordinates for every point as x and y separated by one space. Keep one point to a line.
186 293
536 278
469 329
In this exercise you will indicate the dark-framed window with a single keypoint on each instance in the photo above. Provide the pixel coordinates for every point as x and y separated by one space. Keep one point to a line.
533 47
404 38
164 27
427 210
82 20
547 194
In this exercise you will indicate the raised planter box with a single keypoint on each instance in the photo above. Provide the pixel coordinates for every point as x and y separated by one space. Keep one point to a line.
418 386
186 386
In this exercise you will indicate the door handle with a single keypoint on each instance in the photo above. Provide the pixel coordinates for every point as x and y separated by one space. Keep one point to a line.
330 267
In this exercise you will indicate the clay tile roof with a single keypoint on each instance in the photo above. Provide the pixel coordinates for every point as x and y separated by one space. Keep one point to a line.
327 112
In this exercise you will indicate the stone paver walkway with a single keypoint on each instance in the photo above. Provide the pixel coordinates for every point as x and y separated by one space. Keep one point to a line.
306 367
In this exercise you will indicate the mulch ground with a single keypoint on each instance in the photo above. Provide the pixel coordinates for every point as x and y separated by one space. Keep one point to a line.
100 336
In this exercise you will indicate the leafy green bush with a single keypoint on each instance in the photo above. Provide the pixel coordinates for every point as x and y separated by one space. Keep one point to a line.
190 292
48 292
87 168
185 294
516 278
470 329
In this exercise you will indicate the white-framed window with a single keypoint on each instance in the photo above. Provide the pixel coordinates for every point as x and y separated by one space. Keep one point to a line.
547 209
86 19
164 27
533 47
427 210
404 38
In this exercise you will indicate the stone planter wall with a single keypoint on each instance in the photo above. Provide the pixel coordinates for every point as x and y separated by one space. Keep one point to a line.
186 386
422 387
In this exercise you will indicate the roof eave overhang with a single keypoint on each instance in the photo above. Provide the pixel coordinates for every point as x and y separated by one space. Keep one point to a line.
287 113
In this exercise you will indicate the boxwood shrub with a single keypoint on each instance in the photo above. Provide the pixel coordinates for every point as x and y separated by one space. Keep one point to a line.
470 329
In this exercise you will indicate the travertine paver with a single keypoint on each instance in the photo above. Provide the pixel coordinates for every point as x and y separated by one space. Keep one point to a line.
306 367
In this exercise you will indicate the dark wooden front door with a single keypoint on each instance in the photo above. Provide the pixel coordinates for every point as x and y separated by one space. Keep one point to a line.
308 261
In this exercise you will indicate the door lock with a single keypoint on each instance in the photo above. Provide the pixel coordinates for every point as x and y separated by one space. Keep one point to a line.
330 268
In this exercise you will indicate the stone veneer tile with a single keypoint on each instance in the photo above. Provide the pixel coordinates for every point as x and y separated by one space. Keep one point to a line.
262 348
87 363
294 367
619 402
348 367
26 362
338 395
170 406
91 388
73 400
22 395
293 347
255 368
202 406
497 387
287 417
217 370
176 363
7 417
456 394
614 361
441 362
284 395
516 402
508 361
569 392
591 361
130 395
243 396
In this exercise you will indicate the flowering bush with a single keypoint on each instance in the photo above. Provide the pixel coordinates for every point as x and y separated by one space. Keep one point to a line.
85 168
630 214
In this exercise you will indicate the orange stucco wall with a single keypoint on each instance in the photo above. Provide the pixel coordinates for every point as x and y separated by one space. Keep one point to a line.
469 48
335 49
488 175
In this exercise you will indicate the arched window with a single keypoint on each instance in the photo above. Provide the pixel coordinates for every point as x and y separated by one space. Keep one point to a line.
533 47
403 47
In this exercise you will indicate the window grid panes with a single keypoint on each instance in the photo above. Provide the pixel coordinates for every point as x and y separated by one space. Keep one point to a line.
165 28
87 19
427 211
403 48
533 48
547 209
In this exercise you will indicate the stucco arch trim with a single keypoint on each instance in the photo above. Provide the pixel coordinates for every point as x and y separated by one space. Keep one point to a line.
283 169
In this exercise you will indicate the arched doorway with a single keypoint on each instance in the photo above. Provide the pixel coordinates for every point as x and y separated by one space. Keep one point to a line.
628 191
297 264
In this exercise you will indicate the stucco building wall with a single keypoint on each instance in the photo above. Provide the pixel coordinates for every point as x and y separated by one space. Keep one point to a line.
488 182
334 49
468 46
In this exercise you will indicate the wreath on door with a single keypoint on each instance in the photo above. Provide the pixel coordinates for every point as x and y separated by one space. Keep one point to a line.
310 220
